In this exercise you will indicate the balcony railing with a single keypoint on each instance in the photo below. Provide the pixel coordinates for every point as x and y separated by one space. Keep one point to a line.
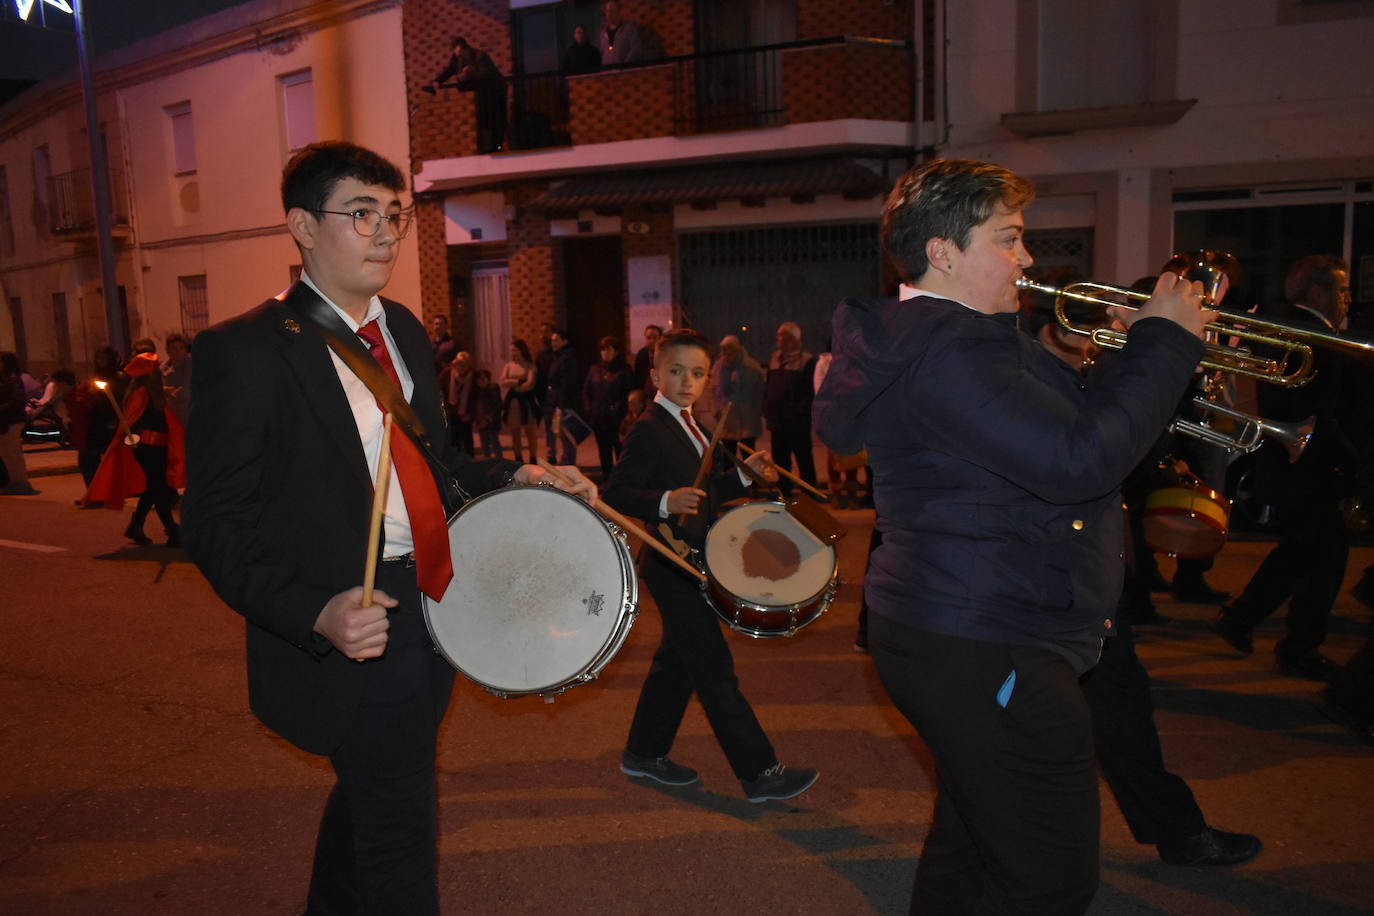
71 202
768 86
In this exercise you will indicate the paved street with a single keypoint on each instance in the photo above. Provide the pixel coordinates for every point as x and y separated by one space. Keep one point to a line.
135 781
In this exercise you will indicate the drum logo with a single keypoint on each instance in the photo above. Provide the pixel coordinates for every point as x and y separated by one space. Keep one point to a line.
594 603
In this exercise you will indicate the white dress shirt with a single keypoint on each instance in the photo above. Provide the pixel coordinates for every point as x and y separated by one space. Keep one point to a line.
368 417
676 411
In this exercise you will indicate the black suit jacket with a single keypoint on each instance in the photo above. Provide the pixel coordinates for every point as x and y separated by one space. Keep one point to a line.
658 455
278 498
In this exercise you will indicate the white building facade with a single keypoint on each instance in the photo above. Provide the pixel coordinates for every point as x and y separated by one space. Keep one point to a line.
1152 126
198 123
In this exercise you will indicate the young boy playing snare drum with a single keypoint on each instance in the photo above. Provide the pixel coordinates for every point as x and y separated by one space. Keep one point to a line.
653 481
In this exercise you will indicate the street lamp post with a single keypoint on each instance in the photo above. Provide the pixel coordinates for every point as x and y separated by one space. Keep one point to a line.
115 318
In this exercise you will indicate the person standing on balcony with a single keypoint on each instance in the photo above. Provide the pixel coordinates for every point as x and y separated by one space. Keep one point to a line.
474 71
582 56
619 38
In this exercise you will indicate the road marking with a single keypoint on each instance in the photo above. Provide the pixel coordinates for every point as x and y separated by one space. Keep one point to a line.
37 548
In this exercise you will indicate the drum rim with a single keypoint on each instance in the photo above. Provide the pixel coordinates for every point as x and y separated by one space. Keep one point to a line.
830 580
627 612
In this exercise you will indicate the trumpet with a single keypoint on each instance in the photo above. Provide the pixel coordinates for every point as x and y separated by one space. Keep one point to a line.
1291 367
1250 433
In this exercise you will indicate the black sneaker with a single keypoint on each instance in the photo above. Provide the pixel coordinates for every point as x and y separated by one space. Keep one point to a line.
1312 667
659 769
1236 636
777 782
1197 591
1211 847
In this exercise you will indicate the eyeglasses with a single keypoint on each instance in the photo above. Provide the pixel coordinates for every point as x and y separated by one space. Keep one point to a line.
367 222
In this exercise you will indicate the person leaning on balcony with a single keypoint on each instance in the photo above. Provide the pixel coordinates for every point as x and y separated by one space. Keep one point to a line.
619 38
582 56
473 70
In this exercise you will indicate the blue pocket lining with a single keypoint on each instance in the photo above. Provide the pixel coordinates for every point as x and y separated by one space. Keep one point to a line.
1004 692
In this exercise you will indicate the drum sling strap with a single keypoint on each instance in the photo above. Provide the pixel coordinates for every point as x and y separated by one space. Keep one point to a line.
323 320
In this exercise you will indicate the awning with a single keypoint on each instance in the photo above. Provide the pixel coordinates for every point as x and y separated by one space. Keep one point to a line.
744 180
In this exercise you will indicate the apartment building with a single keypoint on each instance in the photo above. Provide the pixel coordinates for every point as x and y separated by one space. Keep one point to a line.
1154 126
730 178
198 122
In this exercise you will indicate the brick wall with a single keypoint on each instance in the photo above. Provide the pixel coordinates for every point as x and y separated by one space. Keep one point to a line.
847 81
868 18
535 262
432 249
622 106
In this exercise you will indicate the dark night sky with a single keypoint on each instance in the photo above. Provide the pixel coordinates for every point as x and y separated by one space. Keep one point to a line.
29 53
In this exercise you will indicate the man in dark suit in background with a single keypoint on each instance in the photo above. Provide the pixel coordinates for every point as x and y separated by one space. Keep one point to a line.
1307 565
283 446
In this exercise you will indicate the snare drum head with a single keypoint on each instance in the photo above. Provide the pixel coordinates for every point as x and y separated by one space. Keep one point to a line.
762 555
539 590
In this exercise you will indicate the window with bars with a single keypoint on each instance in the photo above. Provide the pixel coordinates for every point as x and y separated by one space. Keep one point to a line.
1062 249
195 305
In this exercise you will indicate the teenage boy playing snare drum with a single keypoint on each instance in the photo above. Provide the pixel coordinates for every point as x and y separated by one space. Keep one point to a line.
653 481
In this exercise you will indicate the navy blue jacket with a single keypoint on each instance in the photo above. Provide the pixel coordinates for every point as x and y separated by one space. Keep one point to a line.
997 470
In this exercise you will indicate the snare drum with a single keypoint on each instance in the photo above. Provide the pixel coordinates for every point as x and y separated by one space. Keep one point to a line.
768 575
1188 521
543 593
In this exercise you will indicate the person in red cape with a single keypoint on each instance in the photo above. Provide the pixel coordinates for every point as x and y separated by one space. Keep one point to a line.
155 466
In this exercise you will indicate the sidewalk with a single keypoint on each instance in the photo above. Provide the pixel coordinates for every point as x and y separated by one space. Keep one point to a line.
47 459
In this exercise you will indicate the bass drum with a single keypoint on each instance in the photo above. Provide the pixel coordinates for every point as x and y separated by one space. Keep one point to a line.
543 595
768 575
1188 521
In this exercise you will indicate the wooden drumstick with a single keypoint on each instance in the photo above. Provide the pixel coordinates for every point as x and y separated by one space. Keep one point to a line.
790 476
374 528
629 525
704 468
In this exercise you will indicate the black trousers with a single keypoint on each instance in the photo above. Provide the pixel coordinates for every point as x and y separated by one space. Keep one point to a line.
1016 818
607 446
1157 805
694 657
377 845
793 440
157 492
1305 568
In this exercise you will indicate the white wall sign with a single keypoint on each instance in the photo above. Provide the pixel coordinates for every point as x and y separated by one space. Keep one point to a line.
649 291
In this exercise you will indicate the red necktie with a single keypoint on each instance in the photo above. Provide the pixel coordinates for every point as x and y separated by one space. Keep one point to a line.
692 427
428 527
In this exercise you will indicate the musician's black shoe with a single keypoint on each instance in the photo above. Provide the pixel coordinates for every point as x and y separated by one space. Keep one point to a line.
659 769
1312 667
1236 636
1342 707
135 534
777 782
1197 591
174 536
1211 847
